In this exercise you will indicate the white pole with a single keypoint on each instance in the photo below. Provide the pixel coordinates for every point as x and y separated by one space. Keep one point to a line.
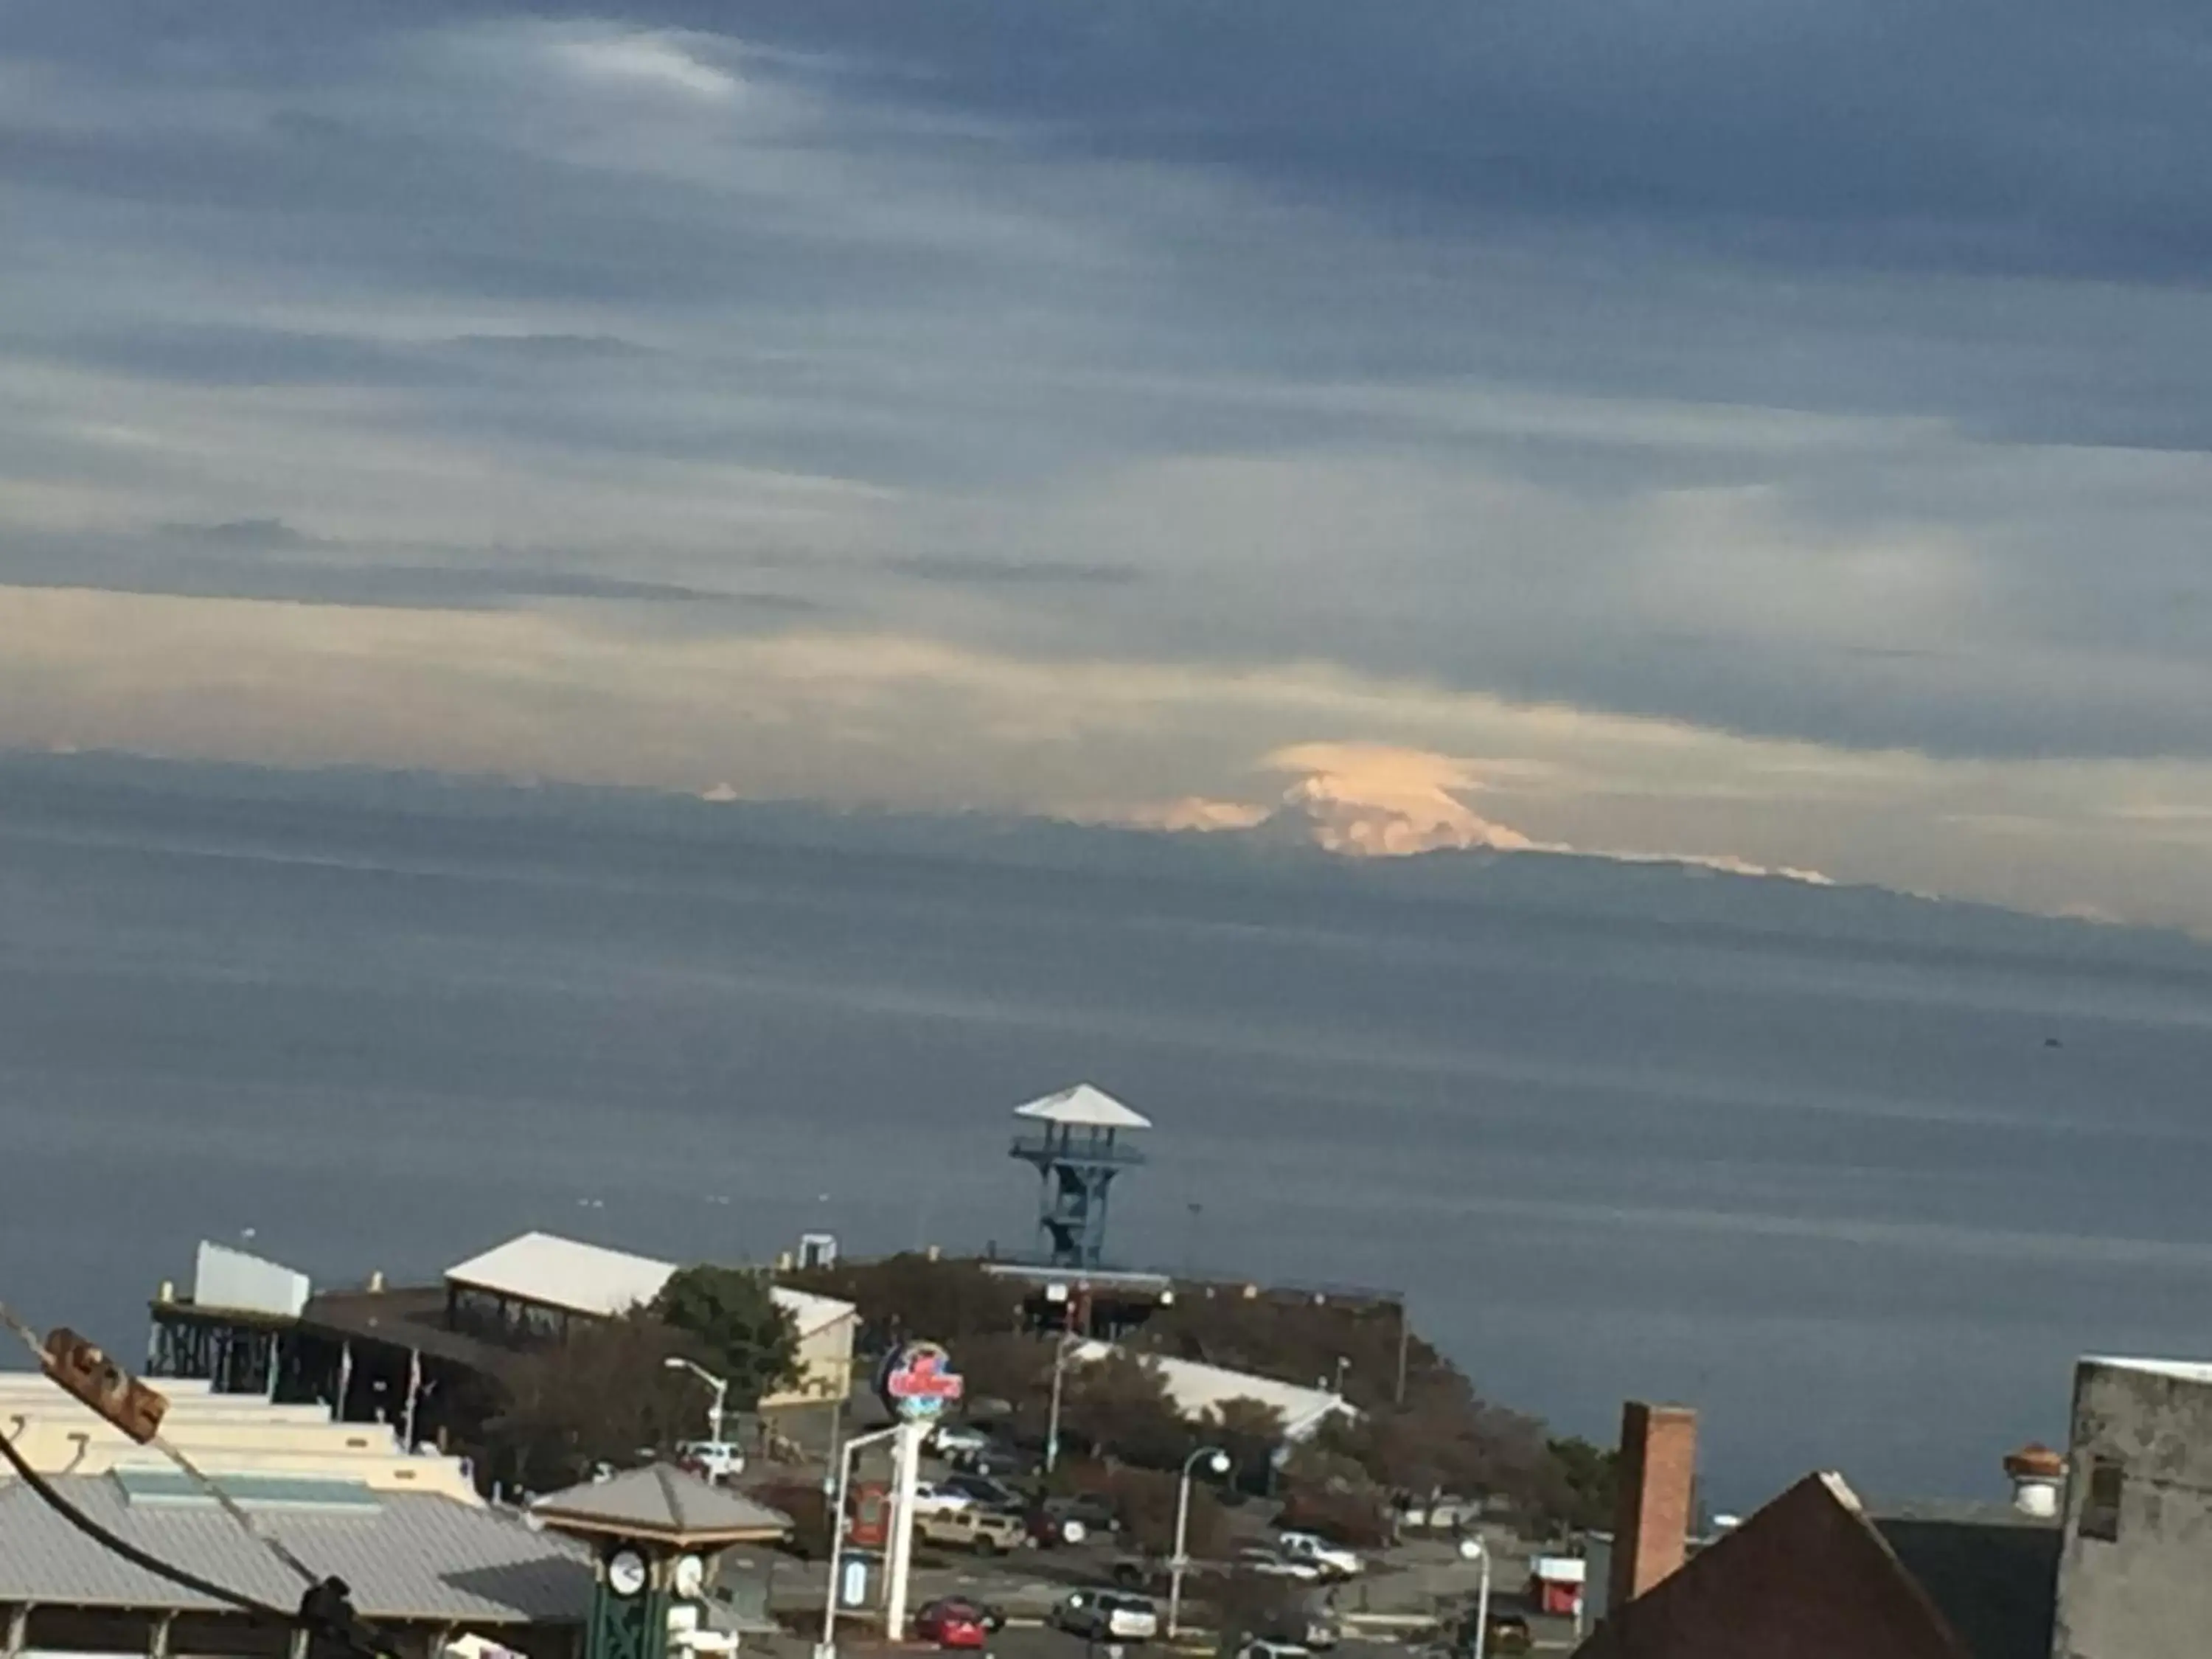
1218 1460
1482 1602
721 1446
1052 1427
1176 1564
908 1479
828 1647
414 1393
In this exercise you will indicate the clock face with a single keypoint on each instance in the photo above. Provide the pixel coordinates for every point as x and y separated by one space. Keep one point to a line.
690 1577
625 1572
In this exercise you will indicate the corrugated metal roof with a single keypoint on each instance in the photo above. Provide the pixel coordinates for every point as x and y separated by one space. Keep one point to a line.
150 1487
590 1278
1085 1107
1197 1387
565 1272
413 1557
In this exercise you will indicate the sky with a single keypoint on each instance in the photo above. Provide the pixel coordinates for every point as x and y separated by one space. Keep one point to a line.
1773 434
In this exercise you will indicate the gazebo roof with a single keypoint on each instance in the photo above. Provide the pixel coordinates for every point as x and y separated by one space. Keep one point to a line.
663 1503
1085 1107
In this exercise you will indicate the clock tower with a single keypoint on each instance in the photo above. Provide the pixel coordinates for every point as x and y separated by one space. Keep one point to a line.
656 1534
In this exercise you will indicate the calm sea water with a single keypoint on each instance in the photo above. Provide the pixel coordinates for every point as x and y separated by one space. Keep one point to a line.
1837 1191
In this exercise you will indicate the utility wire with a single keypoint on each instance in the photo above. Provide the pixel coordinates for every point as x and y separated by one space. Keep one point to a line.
192 1471
324 1608
130 1552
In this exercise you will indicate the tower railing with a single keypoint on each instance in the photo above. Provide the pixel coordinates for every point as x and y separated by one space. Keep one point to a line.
1057 1149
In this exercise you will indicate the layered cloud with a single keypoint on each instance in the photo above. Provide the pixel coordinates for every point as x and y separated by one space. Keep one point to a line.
1781 444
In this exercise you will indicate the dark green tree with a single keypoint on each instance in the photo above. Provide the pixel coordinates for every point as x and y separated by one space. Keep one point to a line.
603 1396
1590 1478
1249 1431
1119 1407
732 1318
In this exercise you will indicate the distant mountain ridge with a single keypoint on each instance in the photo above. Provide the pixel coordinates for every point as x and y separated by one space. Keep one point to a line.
385 814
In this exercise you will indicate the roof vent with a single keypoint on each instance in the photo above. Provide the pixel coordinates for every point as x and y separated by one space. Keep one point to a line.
2036 1473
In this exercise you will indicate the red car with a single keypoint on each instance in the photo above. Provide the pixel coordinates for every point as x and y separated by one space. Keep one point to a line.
953 1623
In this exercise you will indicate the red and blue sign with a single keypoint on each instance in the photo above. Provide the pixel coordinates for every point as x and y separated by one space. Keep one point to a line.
917 1380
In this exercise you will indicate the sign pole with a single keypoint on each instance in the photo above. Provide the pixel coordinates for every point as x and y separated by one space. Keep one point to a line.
907 1449
917 1383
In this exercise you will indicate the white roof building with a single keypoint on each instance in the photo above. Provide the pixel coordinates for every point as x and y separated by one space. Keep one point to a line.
1084 1107
1197 1388
548 1271
552 1272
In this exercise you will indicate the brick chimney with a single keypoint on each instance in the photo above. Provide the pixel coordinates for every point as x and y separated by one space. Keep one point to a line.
1658 1479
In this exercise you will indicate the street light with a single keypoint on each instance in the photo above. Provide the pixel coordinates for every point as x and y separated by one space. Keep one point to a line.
1052 1423
1217 1460
827 1648
1471 1549
678 1363
1343 1365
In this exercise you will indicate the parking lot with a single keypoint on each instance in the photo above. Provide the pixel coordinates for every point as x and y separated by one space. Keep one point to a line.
1393 1607
1399 1605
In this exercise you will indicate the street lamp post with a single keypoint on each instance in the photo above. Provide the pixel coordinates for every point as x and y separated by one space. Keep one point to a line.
1471 1549
827 1648
1218 1460
722 1388
1052 1422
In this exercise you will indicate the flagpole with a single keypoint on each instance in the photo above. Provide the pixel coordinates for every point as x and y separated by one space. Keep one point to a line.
414 1389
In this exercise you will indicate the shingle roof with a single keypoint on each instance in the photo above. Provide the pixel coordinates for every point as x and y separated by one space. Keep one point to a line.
1992 1570
412 1556
664 1501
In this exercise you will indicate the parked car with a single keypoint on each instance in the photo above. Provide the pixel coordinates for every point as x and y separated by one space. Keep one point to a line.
986 1532
717 1460
1049 1527
1508 1633
934 1497
1333 1560
952 1623
1104 1615
947 1438
1262 1648
1259 1560
992 1457
1072 1520
981 1489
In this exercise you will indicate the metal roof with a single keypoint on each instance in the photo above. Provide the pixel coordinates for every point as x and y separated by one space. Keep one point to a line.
662 1501
413 1557
1085 1107
589 1279
164 1487
1196 1388
565 1272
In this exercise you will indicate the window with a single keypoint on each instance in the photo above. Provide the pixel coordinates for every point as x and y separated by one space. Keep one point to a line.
2100 1509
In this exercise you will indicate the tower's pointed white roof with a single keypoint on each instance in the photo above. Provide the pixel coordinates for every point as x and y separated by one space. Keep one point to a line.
1085 1108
